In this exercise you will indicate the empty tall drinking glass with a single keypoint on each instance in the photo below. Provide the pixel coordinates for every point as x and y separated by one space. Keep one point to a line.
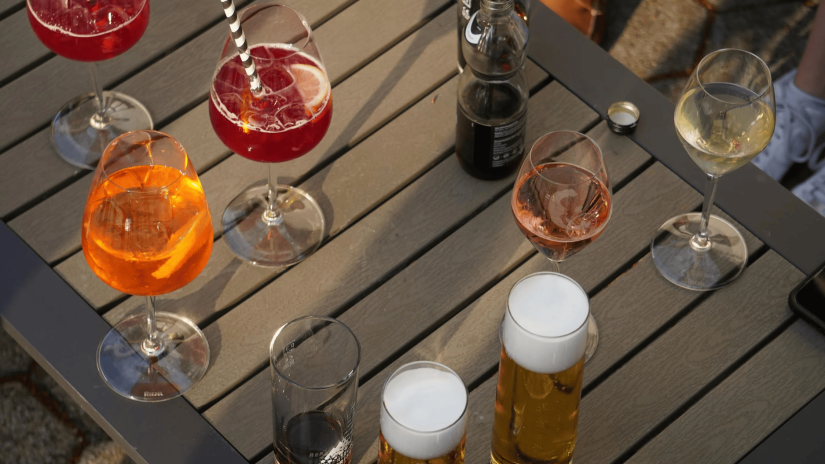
314 385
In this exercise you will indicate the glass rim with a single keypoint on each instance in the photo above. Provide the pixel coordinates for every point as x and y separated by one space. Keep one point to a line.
259 7
765 69
589 139
341 382
549 337
102 165
431 363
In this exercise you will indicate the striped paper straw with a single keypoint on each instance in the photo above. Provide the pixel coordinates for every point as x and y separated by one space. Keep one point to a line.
240 42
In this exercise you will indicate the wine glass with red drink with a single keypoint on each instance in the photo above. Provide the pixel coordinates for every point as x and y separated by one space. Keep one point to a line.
562 200
268 224
91 31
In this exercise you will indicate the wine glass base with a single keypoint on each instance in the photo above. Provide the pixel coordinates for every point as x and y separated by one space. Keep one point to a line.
297 233
130 372
592 338
81 144
687 266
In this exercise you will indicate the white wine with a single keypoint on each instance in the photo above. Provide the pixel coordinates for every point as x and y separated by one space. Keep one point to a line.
723 126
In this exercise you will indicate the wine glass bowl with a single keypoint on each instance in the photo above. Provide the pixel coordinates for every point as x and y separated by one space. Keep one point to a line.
272 225
76 30
724 118
147 227
562 200
147 231
726 114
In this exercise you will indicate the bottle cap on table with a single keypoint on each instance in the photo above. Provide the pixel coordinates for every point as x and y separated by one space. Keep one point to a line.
622 117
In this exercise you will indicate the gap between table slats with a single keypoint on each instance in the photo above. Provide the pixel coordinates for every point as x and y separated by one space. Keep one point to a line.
749 405
8 7
20 48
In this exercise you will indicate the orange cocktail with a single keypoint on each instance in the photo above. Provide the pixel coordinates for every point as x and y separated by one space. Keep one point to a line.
147 230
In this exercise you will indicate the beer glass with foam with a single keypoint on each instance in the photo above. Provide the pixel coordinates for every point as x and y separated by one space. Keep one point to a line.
314 386
543 338
423 416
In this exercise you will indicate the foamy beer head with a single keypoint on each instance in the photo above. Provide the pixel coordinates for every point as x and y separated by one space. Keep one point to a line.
545 325
423 410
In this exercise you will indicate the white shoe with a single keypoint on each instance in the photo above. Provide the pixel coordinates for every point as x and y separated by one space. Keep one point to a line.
800 118
812 191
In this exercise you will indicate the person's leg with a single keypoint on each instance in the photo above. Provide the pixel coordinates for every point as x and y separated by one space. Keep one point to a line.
800 109
810 77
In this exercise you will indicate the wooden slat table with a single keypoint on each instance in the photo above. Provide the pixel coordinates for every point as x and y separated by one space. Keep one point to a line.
419 256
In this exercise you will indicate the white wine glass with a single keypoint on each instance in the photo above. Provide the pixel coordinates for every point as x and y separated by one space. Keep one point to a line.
725 117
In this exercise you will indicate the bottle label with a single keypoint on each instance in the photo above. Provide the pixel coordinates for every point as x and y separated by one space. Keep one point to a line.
489 147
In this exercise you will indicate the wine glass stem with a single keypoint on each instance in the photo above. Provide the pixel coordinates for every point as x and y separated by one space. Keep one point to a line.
272 216
152 345
100 120
557 265
700 241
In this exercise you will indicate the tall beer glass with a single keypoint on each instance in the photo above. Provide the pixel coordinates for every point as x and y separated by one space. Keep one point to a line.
543 337
314 363
423 416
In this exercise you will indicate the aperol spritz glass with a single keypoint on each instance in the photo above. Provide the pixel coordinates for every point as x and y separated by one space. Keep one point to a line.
562 200
268 224
147 231
91 31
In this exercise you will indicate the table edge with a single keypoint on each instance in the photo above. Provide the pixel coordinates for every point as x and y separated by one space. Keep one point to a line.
61 332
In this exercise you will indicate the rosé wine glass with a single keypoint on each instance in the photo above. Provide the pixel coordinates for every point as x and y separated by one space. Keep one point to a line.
562 200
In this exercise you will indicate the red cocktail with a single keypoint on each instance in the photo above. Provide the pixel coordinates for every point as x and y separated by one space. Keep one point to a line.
271 225
287 120
85 30
91 30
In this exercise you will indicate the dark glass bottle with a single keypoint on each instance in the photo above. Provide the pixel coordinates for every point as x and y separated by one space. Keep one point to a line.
492 92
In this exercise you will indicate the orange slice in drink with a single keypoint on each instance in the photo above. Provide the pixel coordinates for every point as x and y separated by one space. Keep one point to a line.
312 85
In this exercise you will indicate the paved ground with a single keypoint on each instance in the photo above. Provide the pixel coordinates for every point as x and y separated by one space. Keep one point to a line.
660 40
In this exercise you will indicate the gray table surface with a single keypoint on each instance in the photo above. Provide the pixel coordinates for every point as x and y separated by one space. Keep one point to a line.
418 256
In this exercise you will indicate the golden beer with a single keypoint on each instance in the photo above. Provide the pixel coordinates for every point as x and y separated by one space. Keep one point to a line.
423 416
540 372
386 455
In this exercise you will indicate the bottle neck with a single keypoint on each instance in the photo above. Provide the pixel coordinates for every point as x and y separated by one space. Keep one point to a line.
497 6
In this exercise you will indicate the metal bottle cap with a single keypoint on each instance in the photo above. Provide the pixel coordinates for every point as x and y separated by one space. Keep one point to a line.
622 117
